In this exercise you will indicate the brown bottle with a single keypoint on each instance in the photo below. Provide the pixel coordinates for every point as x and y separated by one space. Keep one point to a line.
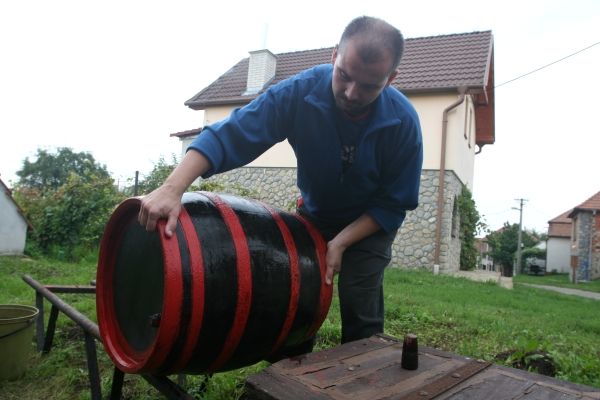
410 352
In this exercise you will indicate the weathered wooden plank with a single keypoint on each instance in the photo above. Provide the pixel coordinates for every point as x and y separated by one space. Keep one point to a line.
377 374
443 383
507 383
268 386
322 359
391 380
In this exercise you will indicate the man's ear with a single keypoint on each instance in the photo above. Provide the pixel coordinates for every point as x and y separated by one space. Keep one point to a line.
392 77
334 54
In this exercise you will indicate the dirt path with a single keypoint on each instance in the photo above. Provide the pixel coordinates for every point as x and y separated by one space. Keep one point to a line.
573 292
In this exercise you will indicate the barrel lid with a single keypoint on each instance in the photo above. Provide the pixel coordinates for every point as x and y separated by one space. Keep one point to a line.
130 287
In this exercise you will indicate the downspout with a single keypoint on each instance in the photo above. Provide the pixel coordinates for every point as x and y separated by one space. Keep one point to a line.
440 199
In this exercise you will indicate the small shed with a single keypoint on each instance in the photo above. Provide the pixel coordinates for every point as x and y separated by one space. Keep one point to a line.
13 224
558 247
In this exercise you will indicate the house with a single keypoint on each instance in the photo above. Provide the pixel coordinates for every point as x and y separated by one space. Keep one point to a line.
450 81
558 244
13 224
585 239
484 261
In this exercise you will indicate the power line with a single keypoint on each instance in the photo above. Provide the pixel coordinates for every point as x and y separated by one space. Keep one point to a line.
547 65
497 212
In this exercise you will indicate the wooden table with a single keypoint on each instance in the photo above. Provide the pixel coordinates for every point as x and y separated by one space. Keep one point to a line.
370 369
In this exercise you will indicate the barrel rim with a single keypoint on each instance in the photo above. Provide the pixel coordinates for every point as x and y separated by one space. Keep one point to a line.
326 291
123 355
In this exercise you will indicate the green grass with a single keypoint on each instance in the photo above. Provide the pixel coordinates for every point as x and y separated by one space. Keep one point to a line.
62 374
560 280
482 320
479 320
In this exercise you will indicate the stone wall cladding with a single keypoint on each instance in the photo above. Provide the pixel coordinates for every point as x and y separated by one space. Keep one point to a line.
414 246
274 186
584 270
595 273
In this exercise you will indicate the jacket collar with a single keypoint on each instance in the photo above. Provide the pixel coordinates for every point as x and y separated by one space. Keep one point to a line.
321 97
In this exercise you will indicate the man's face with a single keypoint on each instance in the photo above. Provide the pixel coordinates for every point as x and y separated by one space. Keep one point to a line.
357 84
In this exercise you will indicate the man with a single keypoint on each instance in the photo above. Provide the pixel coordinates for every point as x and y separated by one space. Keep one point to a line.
359 150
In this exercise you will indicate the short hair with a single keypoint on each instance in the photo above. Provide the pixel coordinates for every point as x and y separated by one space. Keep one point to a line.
375 35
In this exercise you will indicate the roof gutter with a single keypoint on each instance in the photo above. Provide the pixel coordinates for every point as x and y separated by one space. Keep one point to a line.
201 105
441 189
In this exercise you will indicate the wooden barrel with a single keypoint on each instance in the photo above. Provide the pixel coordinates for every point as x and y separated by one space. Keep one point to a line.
237 282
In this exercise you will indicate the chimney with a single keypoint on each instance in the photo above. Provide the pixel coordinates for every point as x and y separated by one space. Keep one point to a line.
261 69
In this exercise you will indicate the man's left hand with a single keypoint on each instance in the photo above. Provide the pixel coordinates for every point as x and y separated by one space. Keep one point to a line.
364 226
334 260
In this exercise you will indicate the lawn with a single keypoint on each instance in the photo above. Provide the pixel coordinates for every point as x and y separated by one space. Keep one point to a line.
561 280
479 320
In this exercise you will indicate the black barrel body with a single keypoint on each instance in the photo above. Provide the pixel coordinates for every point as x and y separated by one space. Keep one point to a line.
237 282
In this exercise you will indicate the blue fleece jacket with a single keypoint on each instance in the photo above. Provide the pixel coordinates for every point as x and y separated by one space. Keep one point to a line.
384 178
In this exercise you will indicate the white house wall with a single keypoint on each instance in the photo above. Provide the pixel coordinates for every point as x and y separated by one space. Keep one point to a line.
214 114
558 255
280 155
460 158
13 228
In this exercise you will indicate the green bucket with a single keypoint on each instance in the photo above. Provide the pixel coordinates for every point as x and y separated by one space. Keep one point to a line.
16 331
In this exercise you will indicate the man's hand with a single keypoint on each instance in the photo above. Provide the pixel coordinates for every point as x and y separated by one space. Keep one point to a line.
364 226
335 252
163 202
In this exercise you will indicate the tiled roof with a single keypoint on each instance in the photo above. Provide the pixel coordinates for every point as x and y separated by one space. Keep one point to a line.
591 204
229 88
562 218
434 63
560 226
445 62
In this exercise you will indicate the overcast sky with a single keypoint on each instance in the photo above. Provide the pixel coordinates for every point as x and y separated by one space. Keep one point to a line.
110 78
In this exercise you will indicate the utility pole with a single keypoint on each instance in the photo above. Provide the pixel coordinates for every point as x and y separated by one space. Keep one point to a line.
136 184
519 237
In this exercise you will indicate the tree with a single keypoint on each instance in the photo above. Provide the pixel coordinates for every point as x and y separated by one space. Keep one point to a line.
503 243
162 170
157 176
50 171
470 224
68 205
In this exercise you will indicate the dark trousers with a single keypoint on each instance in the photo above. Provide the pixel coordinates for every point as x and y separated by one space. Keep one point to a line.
360 281
360 286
